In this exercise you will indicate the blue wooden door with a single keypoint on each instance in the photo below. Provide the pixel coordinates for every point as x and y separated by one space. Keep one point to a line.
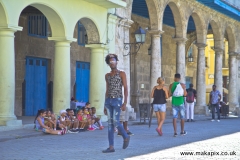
36 85
82 81
188 81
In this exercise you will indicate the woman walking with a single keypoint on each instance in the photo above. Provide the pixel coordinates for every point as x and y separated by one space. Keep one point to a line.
159 95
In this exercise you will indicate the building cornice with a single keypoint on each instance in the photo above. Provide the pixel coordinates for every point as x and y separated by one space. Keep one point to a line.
214 14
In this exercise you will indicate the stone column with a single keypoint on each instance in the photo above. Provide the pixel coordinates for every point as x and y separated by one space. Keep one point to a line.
218 79
7 80
126 24
200 107
62 74
155 57
97 76
238 88
232 90
180 63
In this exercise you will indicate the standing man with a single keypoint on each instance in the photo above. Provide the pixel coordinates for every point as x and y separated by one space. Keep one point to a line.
115 80
215 97
124 117
178 90
191 95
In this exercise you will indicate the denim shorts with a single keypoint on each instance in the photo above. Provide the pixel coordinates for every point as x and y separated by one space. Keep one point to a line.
178 109
159 107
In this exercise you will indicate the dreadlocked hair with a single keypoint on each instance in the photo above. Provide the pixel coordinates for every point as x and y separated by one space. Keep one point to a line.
109 56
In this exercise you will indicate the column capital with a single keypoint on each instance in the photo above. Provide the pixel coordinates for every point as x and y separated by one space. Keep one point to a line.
201 45
10 28
8 31
155 32
62 39
218 50
180 40
125 23
97 46
112 18
233 54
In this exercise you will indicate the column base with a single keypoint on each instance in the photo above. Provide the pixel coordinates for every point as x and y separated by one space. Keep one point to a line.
135 101
201 109
104 118
10 121
233 106
237 111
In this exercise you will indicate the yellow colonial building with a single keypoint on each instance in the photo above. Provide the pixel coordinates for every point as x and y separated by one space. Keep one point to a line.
210 68
45 48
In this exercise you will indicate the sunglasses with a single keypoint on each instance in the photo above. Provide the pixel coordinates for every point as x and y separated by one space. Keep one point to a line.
112 62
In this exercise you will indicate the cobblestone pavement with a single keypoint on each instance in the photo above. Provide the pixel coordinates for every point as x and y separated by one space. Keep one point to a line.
203 137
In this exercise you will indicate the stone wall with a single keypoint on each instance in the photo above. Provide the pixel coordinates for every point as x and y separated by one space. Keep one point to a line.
40 47
143 60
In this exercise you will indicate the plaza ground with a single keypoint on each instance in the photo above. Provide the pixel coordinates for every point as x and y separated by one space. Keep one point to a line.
203 136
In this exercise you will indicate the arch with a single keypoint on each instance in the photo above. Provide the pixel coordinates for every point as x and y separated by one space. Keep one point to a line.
217 35
153 12
92 30
231 39
178 19
3 16
200 27
54 19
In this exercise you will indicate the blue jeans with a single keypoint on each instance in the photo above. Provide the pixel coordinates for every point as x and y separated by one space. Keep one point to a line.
159 107
113 106
178 109
213 110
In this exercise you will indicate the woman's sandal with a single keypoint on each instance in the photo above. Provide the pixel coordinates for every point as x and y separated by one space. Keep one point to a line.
159 132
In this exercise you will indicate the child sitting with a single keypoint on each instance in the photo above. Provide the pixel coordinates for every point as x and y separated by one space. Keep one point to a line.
88 105
82 121
96 119
39 122
50 120
88 118
63 122
73 120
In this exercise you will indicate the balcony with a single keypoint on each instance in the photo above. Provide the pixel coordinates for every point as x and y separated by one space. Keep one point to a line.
109 3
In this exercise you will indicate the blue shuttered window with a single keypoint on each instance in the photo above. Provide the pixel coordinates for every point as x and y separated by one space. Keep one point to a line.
37 26
82 34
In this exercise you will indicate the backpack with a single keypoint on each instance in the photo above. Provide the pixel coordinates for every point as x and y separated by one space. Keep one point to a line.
178 92
190 96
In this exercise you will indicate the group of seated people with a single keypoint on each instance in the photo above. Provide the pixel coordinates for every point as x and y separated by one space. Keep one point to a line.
67 121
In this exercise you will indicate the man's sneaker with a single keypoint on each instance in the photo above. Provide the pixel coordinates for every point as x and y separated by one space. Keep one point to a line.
192 120
130 133
187 120
218 120
183 133
212 120
119 134
175 135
